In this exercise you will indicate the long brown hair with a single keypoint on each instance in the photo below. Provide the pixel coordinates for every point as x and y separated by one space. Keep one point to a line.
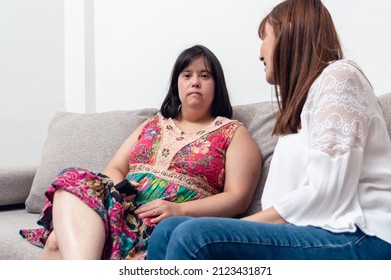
306 41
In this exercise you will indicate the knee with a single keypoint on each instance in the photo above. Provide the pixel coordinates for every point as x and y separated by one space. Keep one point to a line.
163 231
60 192
189 238
168 225
51 244
51 250
194 227
161 236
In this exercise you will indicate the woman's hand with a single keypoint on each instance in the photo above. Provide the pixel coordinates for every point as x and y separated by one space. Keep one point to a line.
252 218
131 197
269 215
158 210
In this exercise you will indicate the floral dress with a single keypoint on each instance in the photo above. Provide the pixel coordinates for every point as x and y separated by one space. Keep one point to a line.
169 164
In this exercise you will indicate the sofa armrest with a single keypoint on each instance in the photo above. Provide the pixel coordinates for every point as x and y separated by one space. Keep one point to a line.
15 184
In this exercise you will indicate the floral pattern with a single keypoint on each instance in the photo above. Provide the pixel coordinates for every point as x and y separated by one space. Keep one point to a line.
177 171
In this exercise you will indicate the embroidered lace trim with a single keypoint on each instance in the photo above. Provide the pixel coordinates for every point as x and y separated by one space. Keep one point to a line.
339 104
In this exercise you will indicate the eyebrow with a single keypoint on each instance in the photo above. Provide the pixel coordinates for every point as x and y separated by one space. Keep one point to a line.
202 71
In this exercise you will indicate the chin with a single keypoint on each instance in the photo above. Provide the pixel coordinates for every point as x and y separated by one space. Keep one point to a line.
270 80
269 76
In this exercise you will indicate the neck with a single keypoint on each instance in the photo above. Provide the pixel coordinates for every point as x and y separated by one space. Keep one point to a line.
190 122
195 116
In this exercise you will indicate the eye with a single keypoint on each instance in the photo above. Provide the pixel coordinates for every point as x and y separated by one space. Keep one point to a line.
186 75
205 76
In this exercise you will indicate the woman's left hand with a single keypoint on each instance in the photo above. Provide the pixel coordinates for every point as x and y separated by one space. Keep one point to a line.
158 210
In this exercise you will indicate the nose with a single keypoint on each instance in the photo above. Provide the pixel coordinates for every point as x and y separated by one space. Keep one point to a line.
262 59
195 82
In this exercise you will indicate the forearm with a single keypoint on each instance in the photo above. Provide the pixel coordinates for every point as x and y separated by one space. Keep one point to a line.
115 175
118 167
221 205
269 215
225 204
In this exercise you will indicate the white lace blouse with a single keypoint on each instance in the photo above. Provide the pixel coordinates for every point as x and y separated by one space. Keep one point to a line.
336 172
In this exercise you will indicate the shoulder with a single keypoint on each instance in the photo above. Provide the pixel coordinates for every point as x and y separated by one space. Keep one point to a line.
341 80
237 128
229 122
344 72
340 97
151 121
229 128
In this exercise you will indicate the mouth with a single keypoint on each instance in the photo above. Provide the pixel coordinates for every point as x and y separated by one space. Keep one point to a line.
194 93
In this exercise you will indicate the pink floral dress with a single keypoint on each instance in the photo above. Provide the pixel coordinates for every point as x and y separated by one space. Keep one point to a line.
169 164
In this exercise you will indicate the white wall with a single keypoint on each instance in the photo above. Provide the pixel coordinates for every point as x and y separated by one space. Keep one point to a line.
137 43
31 76
117 54
365 31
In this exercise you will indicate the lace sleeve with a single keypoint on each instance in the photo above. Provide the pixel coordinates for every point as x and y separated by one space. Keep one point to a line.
341 115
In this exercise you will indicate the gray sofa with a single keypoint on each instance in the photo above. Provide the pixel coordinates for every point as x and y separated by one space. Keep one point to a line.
89 141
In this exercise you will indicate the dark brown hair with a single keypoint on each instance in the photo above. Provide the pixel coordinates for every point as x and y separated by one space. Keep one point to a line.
221 105
306 41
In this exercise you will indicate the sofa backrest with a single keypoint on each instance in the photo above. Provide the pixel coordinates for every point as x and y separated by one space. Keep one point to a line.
81 140
91 140
259 119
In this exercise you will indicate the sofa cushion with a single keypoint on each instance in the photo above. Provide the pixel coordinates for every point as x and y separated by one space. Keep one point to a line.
13 246
81 140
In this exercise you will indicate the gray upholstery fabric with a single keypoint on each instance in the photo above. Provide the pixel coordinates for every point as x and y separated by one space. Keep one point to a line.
13 246
15 184
259 119
81 140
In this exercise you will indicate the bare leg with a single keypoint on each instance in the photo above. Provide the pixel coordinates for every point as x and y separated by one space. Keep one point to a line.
79 230
51 250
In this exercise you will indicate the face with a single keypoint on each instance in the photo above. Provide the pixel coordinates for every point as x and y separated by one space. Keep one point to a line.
266 53
196 85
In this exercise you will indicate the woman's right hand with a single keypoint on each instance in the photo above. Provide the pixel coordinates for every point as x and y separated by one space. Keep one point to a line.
132 197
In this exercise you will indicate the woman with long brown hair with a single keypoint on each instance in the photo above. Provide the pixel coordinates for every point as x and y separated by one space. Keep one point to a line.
328 191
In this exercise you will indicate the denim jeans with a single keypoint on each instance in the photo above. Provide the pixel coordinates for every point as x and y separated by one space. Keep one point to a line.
188 238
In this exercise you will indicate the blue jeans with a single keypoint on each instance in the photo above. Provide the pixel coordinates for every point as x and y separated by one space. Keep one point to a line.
185 238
